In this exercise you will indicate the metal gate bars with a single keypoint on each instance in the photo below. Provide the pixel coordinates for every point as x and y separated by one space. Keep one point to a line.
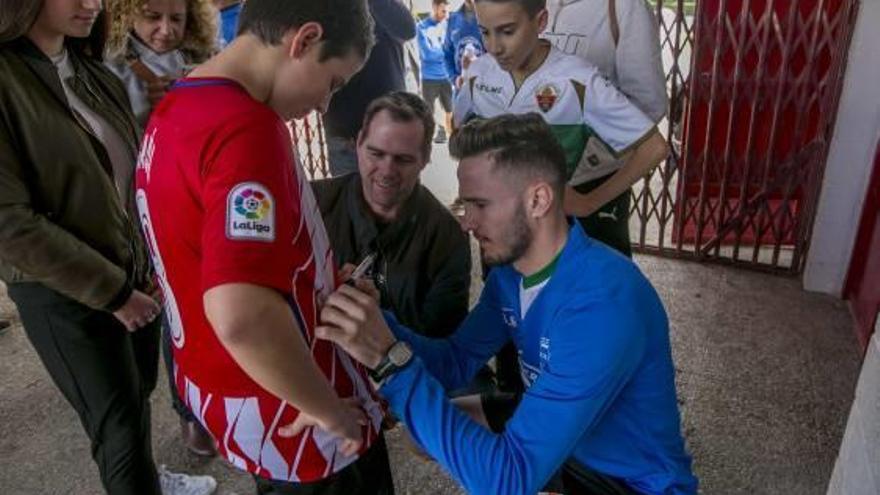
754 86
308 140
750 128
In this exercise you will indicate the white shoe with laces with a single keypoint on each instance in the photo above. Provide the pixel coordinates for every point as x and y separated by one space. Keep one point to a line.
185 484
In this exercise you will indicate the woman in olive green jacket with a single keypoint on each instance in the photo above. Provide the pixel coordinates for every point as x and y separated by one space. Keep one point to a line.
70 251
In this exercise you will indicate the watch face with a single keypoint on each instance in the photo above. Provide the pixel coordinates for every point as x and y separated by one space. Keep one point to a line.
399 353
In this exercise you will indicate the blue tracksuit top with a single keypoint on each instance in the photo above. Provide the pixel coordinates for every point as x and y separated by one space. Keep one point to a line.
461 30
430 36
229 22
594 348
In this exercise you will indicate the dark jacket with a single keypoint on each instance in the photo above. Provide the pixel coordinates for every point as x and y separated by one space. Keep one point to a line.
62 223
383 72
424 265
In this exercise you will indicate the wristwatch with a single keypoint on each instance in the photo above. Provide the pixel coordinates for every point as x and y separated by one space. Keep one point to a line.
398 356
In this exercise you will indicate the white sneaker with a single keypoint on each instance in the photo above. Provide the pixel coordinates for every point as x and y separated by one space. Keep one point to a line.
185 484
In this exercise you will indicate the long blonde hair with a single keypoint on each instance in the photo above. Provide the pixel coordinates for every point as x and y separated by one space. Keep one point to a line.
199 37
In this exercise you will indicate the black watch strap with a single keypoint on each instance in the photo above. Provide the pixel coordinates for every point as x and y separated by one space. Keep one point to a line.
398 356
382 371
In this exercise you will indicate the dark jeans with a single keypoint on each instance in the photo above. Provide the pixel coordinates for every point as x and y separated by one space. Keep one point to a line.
369 475
168 357
105 373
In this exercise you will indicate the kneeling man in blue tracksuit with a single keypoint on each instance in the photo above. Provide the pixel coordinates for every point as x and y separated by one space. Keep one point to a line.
593 339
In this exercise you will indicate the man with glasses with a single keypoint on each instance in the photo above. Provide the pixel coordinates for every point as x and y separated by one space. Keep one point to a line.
423 263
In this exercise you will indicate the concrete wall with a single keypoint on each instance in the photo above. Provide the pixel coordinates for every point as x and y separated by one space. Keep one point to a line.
850 159
857 470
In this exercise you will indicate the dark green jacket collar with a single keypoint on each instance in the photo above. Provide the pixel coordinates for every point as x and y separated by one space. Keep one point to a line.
42 65
84 84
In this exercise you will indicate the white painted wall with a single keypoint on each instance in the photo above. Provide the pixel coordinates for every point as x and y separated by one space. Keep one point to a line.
850 159
857 470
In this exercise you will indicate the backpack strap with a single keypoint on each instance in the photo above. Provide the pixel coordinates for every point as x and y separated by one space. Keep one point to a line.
581 92
142 71
612 21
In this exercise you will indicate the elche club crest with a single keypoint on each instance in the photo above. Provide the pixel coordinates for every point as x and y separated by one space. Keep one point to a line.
546 96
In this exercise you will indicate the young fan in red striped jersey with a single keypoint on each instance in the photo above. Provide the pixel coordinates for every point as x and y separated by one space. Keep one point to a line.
243 257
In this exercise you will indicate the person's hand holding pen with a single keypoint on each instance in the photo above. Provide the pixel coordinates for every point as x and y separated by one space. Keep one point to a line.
361 270
351 317
356 276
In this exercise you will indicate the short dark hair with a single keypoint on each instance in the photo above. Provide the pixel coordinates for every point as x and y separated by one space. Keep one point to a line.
347 24
439 2
520 145
403 107
532 7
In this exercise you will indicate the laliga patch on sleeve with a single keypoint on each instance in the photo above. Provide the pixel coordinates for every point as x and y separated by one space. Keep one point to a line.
250 213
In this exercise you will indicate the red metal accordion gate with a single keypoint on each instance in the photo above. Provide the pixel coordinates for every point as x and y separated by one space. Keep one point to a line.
754 90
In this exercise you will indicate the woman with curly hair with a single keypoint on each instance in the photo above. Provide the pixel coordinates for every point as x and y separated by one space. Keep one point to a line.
153 42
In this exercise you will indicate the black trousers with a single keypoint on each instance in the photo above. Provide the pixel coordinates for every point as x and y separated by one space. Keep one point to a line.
580 480
572 478
433 90
609 224
105 373
369 475
507 371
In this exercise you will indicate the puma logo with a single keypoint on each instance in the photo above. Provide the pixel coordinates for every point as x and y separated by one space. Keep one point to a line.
609 215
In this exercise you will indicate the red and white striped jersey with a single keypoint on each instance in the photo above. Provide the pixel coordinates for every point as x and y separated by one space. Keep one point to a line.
223 200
